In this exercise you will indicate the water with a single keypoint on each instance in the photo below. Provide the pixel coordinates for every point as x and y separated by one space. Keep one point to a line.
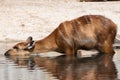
35 67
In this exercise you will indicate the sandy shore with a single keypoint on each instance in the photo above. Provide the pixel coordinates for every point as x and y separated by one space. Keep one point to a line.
38 18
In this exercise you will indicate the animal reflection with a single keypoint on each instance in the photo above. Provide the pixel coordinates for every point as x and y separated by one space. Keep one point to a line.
100 67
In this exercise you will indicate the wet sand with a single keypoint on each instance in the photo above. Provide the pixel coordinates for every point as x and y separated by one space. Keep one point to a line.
38 18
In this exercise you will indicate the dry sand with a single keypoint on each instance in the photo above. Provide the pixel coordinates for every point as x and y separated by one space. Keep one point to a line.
38 18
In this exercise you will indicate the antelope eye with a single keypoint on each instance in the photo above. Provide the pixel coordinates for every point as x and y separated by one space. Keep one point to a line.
15 47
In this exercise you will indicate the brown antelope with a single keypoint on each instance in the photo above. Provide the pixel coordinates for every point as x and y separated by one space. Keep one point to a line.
86 32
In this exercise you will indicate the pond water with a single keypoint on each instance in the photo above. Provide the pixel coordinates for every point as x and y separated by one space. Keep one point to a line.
36 67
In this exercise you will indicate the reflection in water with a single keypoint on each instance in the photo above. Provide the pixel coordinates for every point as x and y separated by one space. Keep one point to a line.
100 67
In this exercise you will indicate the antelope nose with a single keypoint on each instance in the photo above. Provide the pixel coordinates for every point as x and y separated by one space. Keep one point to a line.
7 53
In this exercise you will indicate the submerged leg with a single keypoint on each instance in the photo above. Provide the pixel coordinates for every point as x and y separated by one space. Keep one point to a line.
78 53
107 48
70 52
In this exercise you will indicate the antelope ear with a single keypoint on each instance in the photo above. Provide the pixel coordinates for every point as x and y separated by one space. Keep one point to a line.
29 39
30 43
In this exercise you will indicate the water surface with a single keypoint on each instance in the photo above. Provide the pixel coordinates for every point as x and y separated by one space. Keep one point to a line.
36 67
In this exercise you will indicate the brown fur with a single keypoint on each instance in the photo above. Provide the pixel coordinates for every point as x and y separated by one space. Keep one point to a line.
86 32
